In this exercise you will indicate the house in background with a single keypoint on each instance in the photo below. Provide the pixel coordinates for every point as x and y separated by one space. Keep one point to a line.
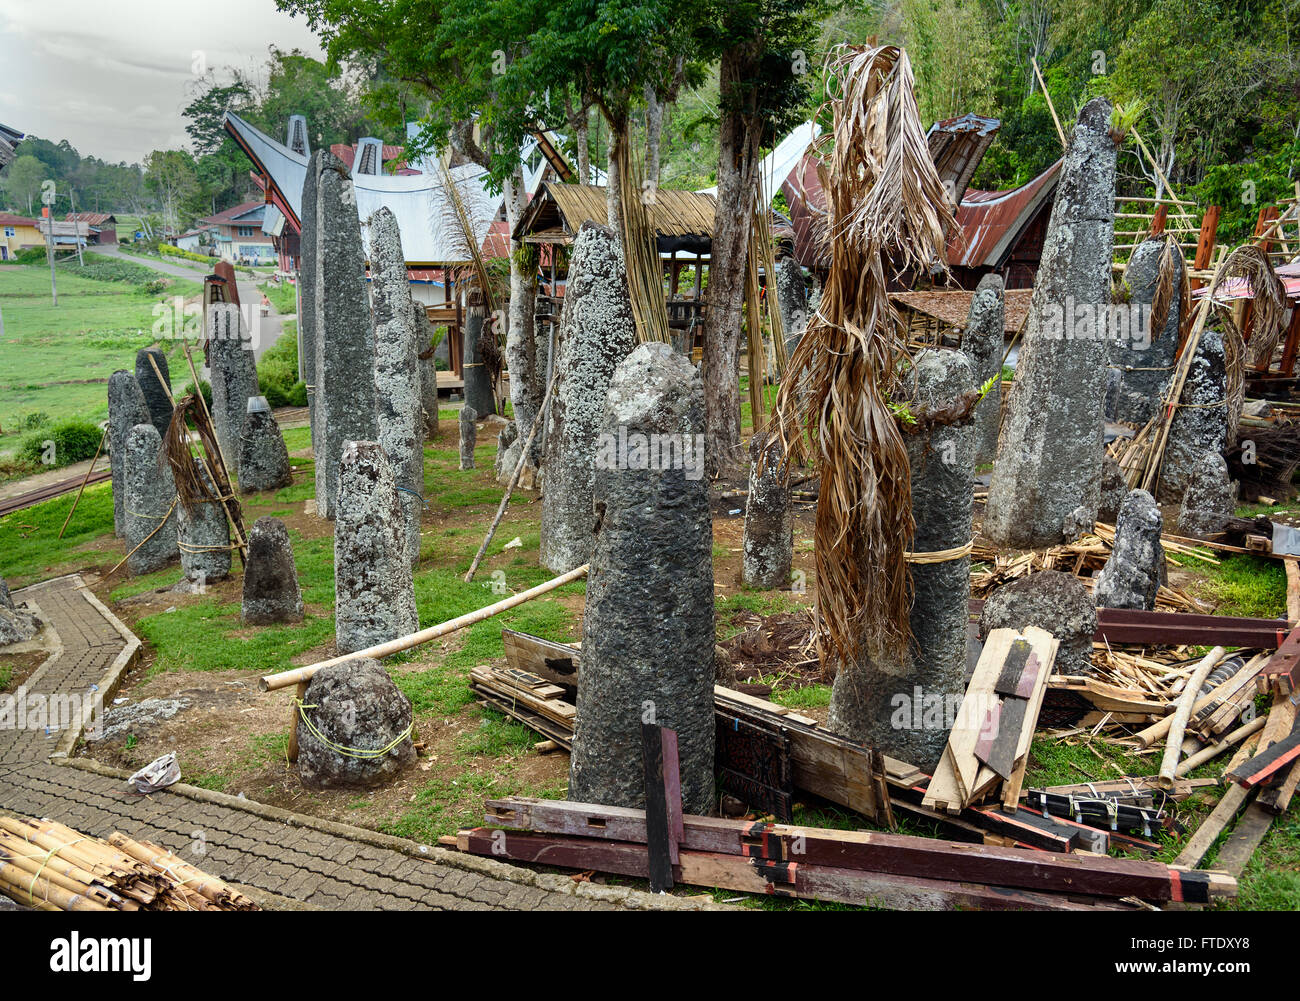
18 233
68 235
103 226
238 234
197 241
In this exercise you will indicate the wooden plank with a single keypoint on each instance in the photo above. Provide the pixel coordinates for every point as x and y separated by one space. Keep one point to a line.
1212 826
1045 647
781 879
1012 680
875 852
1001 752
1244 839
1262 767
1292 567
659 862
1281 674
1277 798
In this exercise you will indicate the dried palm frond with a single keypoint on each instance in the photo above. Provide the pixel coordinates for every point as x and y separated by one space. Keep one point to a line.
645 273
1269 303
202 477
888 209
459 217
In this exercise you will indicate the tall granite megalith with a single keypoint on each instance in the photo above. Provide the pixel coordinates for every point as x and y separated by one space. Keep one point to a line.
233 375
150 492
1141 358
1200 422
155 389
792 300
397 374
647 636
865 697
1135 570
1046 481
768 546
203 537
478 381
597 333
126 409
374 595
271 591
428 370
982 342
345 345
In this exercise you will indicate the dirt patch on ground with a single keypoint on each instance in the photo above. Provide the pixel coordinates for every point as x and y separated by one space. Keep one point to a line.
19 667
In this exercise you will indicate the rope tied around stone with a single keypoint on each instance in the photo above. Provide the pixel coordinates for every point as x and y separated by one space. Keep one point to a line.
161 522
363 753
189 547
941 555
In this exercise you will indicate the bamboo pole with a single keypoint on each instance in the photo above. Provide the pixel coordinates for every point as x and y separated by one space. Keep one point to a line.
84 480
1214 750
514 481
1060 132
1158 730
272 682
1178 723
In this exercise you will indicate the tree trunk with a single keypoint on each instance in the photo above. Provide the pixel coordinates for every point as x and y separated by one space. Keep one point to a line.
521 357
577 122
737 165
654 129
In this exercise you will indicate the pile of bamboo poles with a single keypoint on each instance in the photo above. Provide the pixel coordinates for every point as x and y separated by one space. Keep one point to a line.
1084 558
51 867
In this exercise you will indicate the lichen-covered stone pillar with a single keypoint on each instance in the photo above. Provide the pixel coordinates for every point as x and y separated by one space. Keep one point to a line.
468 436
478 384
1046 481
428 370
126 409
397 373
263 457
792 299
647 636
155 392
597 332
769 521
1141 359
233 375
271 591
874 701
1200 422
1209 497
150 491
345 345
203 537
307 289
1135 569
982 341
374 594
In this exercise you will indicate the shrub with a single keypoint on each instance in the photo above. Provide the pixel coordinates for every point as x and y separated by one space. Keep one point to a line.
30 255
204 388
72 441
34 420
277 374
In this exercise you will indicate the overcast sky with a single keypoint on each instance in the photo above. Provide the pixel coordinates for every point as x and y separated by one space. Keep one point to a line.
112 76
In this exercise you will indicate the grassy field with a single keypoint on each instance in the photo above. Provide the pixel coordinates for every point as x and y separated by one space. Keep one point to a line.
57 359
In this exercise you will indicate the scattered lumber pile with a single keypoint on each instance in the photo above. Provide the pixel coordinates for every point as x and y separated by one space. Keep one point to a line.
50 867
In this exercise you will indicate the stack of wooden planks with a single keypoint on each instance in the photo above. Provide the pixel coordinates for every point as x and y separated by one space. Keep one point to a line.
853 867
989 742
50 867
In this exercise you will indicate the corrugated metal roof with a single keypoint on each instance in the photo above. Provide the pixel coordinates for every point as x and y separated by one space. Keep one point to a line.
989 221
957 145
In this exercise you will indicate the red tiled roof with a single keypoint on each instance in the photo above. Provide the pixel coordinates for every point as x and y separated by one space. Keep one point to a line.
348 153
231 214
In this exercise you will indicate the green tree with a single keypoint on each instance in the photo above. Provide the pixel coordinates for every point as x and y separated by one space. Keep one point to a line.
22 181
170 175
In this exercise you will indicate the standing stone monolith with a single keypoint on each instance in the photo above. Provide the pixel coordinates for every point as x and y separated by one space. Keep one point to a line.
1200 422
353 705
150 491
769 521
468 436
865 696
478 383
597 332
307 291
428 369
982 341
397 374
374 594
126 409
345 345
1047 481
271 591
647 635
233 374
1051 600
203 537
1135 570
156 396
1209 497
1114 488
263 457
1142 356
792 299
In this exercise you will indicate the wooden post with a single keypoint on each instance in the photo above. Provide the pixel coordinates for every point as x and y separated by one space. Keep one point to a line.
1158 220
659 775
1205 242
84 480
299 694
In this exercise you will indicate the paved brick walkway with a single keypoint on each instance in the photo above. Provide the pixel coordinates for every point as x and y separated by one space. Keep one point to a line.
307 863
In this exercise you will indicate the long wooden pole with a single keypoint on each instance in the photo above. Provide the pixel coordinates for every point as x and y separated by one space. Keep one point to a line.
514 481
271 682
1060 132
1214 750
84 480
1178 726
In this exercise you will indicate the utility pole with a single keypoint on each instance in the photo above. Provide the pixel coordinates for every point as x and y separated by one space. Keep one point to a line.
49 249
76 229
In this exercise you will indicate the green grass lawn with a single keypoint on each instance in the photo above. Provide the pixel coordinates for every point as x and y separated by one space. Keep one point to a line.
57 359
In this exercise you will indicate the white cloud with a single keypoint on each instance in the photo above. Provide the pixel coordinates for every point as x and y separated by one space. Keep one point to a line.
113 77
